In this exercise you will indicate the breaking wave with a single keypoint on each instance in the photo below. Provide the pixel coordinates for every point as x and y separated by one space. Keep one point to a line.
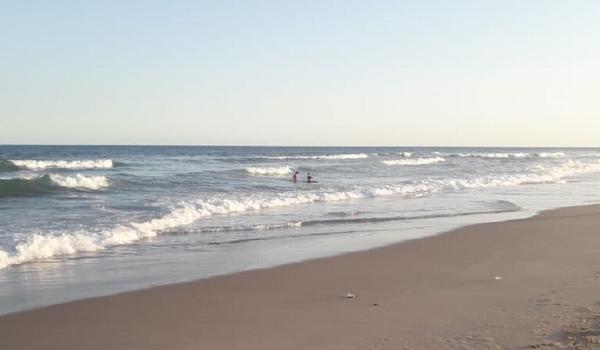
505 155
495 155
551 154
39 246
416 161
6 165
80 181
271 171
62 164
323 156
31 186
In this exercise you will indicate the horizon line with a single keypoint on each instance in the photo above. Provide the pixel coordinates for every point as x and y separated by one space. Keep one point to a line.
281 146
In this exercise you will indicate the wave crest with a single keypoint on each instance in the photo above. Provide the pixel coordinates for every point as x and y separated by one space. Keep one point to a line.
62 164
80 181
550 154
6 166
417 161
506 155
494 155
323 156
31 186
269 171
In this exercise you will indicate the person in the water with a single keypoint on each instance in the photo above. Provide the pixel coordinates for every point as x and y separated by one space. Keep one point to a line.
309 178
295 176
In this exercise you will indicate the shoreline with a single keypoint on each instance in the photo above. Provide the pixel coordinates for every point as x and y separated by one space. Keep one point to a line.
458 286
285 255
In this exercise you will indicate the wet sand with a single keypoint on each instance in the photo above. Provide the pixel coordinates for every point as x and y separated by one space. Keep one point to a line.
532 283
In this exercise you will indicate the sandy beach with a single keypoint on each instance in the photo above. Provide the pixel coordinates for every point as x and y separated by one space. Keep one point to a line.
299 175
529 283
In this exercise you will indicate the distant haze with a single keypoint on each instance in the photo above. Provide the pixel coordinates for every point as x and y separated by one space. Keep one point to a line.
495 73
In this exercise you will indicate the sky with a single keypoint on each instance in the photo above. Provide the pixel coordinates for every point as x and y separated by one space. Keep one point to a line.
453 73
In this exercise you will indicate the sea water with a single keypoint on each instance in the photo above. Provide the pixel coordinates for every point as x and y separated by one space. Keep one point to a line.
81 221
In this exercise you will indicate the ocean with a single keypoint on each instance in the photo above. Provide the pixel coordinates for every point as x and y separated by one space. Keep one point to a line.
82 221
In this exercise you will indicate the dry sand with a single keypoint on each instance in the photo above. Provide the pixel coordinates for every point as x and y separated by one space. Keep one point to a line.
435 293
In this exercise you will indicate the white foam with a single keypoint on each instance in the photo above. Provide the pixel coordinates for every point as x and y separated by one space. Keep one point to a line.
551 154
270 171
45 246
495 155
416 161
556 174
543 175
324 156
80 181
62 164
39 247
508 155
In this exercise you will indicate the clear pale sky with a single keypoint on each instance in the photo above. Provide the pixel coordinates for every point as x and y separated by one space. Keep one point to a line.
497 73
